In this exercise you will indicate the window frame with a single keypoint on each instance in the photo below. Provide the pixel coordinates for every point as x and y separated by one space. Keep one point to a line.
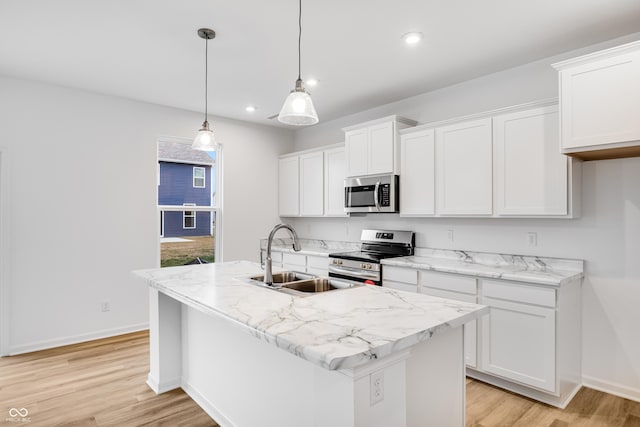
185 216
203 177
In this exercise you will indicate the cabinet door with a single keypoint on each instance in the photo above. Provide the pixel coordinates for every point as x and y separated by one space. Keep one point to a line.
312 184
288 187
470 328
518 343
357 152
417 168
600 101
464 168
381 148
530 172
334 175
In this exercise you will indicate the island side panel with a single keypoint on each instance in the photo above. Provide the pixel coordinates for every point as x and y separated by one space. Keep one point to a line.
242 381
165 342
436 381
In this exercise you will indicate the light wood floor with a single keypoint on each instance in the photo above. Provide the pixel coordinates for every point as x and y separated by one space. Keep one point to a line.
102 383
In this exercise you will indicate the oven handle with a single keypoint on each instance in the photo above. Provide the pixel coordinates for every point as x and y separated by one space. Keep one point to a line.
376 198
352 272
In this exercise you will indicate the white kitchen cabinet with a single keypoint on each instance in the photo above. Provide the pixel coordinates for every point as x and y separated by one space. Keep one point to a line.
294 261
464 179
530 174
334 174
458 288
518 343
373 147
312 184
470 328
600 103
417 183
318 265
288 186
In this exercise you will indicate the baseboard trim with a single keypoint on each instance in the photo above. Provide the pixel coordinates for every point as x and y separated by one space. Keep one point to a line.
163 387
75 339
206 405
611 388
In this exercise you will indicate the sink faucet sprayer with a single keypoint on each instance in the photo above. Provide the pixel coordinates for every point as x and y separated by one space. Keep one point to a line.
268 275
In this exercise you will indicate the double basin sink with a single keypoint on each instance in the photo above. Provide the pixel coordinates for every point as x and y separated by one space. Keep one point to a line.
301 284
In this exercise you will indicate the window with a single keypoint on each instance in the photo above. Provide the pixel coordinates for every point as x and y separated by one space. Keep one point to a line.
198 177
188 217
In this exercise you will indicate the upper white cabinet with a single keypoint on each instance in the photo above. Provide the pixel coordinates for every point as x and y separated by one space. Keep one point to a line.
334 175
464 168
373 147
312 182
288 187
501 164
600 103
530 175
417 184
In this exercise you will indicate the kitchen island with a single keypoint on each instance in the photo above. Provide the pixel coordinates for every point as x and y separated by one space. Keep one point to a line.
249 356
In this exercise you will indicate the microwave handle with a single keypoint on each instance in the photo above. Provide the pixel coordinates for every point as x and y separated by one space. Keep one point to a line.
376 199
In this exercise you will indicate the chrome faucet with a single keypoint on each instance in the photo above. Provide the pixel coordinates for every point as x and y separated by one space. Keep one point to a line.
268 275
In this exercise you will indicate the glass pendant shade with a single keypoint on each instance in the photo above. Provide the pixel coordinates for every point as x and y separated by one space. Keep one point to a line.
205 140
298 108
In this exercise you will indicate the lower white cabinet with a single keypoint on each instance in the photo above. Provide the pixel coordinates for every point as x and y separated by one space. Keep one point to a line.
293 261
312 264
530 341
518 342
318 265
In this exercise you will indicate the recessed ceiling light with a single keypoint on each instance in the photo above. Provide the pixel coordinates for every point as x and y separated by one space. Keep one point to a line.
412 38
250 108
312 82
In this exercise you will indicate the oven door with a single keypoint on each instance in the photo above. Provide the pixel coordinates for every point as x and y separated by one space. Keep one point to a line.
355 275
377 193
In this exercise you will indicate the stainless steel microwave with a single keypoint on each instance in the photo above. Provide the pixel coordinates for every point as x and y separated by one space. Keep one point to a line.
373 193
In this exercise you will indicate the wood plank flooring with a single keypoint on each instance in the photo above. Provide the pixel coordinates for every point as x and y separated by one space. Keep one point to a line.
98 383
103 383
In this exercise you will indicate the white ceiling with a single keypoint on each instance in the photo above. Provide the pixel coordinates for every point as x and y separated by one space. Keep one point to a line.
148 50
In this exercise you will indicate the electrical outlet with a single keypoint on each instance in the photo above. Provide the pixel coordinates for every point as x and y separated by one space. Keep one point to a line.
450 235
105 306
532 239
376 385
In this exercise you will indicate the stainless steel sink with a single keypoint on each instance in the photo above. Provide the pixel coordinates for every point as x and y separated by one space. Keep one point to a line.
300 284
285 277
318 284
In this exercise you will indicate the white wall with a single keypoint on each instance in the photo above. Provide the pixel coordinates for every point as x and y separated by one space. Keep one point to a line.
81 204
607 236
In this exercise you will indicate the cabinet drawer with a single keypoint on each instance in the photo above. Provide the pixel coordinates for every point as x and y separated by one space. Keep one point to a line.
521 293
399 286
447 294
448 282
399 274
318 262
294 259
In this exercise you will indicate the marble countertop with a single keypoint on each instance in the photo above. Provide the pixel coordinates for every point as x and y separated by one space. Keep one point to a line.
545 271
311 246
340 329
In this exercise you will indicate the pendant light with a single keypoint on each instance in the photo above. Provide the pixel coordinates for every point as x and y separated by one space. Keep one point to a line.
298 108
205 140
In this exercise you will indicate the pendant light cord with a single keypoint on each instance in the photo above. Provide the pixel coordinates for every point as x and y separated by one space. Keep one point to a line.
299 34
206 79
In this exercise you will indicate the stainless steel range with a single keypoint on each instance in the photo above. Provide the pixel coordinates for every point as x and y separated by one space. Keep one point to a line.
364 266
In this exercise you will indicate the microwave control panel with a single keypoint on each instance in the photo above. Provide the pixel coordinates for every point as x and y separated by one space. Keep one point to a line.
385 199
